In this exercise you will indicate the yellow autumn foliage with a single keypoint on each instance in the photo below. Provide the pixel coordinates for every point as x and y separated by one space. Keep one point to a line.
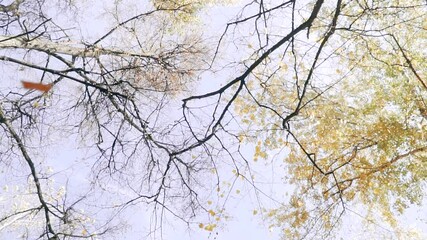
360 137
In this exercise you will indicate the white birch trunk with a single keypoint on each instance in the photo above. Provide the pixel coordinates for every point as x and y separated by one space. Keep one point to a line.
66 48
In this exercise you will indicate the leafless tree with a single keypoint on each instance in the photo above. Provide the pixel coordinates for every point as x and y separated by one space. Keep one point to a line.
115 98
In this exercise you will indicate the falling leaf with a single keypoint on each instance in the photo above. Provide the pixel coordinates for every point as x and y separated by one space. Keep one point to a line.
37 86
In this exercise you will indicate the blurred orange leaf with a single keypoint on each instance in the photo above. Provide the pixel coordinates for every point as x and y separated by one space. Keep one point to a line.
37 86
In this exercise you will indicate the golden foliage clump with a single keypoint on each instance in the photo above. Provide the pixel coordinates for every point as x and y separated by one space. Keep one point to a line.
360 137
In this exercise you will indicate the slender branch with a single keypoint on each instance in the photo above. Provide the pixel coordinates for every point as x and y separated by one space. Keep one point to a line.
409 62
32 167
329 33
240 80
63 74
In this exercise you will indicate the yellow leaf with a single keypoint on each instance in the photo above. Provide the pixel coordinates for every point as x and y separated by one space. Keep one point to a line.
210 227
211 212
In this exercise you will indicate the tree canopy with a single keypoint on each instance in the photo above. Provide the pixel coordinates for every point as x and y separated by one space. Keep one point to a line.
139 106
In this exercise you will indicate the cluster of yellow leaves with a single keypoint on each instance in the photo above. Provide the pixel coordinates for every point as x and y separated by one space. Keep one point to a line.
258 152
369 129
208 227
216 215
